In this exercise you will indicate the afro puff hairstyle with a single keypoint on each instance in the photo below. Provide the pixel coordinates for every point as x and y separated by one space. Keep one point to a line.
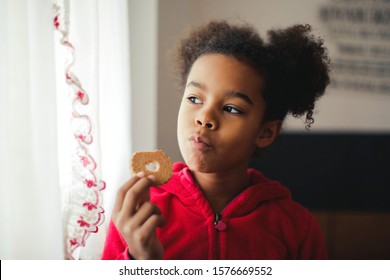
293 62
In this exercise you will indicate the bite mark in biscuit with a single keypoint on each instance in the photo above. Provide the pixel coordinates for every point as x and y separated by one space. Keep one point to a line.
155 163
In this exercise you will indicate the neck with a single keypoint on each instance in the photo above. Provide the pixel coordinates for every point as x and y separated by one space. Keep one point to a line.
221 188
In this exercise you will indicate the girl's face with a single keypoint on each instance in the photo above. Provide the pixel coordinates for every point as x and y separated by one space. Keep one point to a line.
220 116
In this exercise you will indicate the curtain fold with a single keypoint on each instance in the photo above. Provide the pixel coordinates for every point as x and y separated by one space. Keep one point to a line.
30 219
37 183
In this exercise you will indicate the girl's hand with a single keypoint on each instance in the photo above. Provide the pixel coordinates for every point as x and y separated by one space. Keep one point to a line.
136 218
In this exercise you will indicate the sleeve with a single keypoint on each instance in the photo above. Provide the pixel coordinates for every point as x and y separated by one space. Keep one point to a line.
313 246
115 247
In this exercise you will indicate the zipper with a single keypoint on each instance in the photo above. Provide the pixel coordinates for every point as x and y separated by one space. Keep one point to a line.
218 223
219 226
218 218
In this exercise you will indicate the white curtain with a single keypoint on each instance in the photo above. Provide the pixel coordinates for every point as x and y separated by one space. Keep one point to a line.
30 219
36 181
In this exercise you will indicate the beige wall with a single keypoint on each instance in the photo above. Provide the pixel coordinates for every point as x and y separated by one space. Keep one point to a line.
143 17
174 18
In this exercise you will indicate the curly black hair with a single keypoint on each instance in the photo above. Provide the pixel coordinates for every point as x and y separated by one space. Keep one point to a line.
293 62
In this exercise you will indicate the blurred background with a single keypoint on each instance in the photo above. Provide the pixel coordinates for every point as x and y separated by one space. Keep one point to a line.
339 169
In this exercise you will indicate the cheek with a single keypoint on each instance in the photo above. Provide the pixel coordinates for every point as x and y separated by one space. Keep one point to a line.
181 119
183 123
240 143
243 136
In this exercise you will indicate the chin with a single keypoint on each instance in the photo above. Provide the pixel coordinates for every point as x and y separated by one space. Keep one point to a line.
200 166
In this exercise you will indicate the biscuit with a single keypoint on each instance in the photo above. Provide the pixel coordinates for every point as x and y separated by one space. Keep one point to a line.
155 163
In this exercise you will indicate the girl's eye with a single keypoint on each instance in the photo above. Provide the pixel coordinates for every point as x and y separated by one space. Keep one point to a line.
194 100
232 110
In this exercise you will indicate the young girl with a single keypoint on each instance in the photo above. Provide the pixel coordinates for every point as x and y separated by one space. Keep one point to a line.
237 92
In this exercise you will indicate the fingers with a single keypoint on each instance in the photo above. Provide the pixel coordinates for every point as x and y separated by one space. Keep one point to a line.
147 211
133 193
123 190
145 222
150 225
136 196
136 218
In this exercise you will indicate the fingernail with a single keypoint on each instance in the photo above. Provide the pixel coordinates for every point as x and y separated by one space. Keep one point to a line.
140 174
152 177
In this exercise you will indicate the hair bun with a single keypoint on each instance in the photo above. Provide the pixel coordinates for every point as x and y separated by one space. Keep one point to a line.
298 68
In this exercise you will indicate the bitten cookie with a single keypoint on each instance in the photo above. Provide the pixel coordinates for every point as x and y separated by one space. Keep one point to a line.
155 163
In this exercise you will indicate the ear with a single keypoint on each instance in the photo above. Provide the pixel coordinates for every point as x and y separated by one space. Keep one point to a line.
268 132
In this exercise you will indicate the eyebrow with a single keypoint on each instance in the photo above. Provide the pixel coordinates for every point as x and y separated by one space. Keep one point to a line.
195 84
243 96
230 94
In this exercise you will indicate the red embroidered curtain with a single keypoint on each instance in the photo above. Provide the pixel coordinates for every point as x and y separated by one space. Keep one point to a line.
65 124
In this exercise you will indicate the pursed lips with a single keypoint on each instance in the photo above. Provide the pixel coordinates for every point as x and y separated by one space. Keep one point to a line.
200 142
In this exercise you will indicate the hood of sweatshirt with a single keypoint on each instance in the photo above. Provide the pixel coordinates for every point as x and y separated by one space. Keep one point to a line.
261 190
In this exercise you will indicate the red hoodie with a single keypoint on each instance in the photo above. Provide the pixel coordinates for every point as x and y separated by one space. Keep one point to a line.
262 222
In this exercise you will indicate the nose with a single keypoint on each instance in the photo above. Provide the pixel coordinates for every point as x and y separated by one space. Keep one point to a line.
207 120
208 125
